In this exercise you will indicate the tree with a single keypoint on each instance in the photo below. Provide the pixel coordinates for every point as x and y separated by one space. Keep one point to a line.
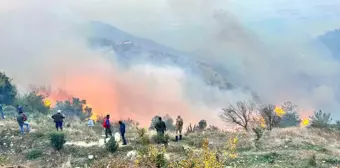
74 108
270 117
169 123
291 118
33 102
320 119
154 120
202 124
8 91
240 115
288 106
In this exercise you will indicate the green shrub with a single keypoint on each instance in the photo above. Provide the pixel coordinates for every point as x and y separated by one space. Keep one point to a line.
57 140
160 139
34 154
112 145
160 160
320 119
142 137
258 132
312 160
202 124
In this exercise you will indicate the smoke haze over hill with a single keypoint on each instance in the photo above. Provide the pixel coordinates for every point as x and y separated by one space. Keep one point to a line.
45 43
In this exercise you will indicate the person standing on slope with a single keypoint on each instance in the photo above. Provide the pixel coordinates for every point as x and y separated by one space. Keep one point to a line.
122 131
107 127
58 119
90 123
160 127
22 120
179 127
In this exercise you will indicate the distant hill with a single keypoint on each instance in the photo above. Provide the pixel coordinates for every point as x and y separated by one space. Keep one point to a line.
132 49
331 40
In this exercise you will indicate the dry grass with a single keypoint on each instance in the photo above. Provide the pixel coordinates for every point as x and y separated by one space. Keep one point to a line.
292 146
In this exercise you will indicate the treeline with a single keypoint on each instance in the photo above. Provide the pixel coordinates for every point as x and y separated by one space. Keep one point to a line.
249 116
35 103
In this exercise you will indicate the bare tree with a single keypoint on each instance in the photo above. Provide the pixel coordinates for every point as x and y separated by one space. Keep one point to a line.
288 106
271 118
240 115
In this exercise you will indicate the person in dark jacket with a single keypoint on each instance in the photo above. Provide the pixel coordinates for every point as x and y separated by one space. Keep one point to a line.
160 126
107 126
122 131
58 119
22 121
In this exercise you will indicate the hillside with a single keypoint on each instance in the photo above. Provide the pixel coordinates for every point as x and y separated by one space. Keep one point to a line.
288 147
331 40
133 50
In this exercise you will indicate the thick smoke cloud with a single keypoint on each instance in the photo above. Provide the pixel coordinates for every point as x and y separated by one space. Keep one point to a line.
43 43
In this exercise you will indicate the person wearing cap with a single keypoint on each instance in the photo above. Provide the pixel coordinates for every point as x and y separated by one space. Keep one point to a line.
58 119
90 123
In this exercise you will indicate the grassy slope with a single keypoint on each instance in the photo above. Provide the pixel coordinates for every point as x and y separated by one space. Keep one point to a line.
291 147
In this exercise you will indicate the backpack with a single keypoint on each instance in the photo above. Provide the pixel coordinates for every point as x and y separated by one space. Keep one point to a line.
104 123
24 117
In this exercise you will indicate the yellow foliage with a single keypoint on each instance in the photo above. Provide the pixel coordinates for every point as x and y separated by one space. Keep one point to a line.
150 156
207 159
279 111
47 102
304 122
230 149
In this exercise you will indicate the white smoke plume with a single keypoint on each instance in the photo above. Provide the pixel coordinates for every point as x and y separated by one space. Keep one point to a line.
43 43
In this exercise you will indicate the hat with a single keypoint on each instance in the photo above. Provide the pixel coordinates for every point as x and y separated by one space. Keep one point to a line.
59 111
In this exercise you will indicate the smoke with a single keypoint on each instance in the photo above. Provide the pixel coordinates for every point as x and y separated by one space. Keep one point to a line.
43 43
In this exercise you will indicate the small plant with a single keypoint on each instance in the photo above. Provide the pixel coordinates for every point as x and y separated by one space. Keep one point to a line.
230 149
160 139
112 145
312 160
142 137
258 132
160 160
57 140
320 119
202 124
34 154
151 157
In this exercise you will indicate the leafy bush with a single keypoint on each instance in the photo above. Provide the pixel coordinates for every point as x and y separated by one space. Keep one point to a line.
112 145
320 119
160 139
34 154
33 102
290 119
160 160
75 107
152 156
8 91
258 132
337 125
202 124
57 140
142 137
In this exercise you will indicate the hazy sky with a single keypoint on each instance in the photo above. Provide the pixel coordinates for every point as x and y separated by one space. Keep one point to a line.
184 23
261 44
